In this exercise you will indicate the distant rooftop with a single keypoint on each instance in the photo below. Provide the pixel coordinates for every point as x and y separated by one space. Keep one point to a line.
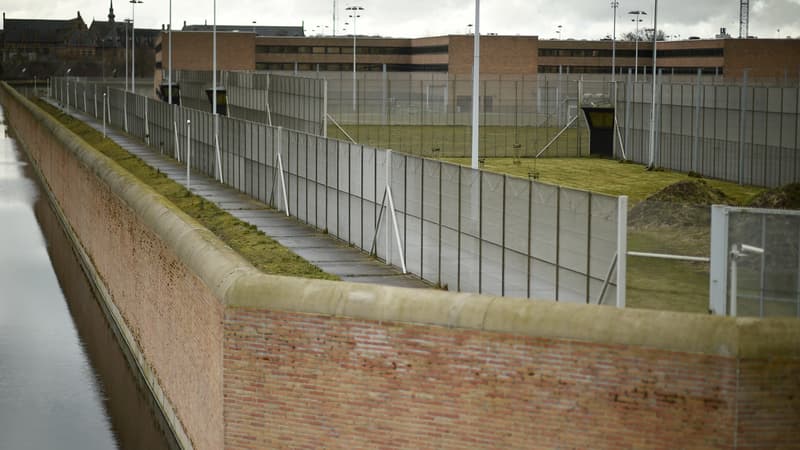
258 29
43 31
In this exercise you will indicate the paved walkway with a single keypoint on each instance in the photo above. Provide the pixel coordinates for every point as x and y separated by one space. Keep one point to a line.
324 251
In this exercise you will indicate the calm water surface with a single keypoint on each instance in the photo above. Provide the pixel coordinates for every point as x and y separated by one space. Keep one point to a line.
64 381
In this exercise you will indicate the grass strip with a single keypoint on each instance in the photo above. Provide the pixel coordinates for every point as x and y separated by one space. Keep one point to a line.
259 249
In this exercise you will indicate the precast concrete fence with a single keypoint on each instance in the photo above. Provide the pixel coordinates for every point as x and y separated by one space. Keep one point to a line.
458 228
291 102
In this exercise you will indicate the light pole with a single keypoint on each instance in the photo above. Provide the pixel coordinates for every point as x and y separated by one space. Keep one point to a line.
169 63
254 26
127 24
354 13
637 13
133 43
558 31
476 99
214 69
651 164
614 6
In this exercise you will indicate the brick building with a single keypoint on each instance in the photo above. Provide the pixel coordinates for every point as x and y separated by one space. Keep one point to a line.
500 55
44 47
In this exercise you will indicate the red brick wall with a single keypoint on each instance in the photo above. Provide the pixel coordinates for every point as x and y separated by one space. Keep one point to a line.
769 404
306 381
174 317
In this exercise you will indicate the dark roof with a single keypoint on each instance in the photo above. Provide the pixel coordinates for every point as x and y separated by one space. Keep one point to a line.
44 31
259 30
112 34
108 34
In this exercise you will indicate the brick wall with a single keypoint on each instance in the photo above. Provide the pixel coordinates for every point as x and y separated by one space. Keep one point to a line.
308 381
175 318
292 363
508 55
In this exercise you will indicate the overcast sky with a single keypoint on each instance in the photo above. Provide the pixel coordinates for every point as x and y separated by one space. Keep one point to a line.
580 19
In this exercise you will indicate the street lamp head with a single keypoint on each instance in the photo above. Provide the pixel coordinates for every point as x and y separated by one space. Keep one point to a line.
135 1
637 13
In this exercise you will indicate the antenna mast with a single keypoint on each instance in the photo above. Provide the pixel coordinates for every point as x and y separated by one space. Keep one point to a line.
744 18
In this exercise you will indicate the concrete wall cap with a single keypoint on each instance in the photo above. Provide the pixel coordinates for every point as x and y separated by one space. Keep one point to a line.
238 284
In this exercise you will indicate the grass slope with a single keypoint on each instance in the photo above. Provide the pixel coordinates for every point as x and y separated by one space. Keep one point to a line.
262 251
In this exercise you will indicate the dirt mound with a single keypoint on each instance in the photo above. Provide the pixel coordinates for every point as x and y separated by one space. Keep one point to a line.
685 203
784 197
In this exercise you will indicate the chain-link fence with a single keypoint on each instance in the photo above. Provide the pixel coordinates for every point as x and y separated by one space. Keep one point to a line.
668 255
756 262
462 229
429 114
743 132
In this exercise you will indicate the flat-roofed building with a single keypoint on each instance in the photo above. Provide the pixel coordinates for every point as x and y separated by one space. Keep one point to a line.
500 55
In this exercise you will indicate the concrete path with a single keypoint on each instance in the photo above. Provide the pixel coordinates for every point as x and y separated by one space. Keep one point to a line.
324 251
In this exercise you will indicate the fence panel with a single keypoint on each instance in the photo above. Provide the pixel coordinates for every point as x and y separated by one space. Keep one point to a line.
459 228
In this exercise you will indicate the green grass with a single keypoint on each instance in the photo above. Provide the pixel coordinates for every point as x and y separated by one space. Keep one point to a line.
604 176
446 140
259 249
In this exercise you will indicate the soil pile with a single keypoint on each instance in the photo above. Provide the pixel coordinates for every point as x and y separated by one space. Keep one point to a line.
685 203
784 197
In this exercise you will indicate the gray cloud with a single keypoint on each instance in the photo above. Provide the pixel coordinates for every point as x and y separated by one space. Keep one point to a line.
581 19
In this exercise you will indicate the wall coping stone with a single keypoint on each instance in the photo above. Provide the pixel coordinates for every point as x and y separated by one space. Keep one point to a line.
236 283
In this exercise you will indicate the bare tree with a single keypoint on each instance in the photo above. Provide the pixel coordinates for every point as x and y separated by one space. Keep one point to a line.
645 35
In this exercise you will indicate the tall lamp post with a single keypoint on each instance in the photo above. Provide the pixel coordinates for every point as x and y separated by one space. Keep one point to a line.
558 31
651 163
127 25
637 13
169 63
354 14
614 6
214 69
133 43
476 99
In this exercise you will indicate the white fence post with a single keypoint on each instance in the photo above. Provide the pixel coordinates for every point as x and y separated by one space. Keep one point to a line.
104 114
718 282
188 154
622 249
146 124
177 142
279 130
125 110
216 148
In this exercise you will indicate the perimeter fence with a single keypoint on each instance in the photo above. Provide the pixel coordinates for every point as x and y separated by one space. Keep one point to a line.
744 131
291 102
459 228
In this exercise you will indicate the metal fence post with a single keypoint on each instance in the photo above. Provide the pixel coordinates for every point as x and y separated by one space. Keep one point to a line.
188 154
104 114
718 283
125 110
622 246
696 131
742 98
